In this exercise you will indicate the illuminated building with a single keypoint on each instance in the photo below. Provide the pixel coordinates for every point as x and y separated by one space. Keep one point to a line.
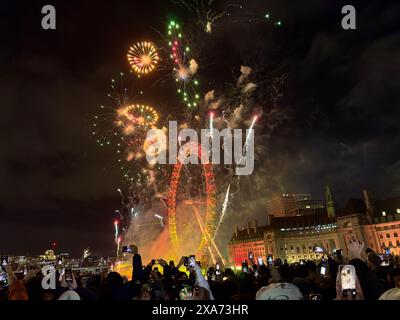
281 205
384 233
49 255
289 204
245 240
293 237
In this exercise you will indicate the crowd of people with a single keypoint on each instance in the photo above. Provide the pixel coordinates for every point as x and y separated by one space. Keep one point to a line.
361 275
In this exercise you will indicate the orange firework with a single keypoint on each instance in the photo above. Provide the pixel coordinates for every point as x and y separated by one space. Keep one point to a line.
143 57
136 116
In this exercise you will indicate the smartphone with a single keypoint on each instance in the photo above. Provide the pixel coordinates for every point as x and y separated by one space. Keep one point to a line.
314 297
338 252
126 249
68 275
62 272
301 262
322 271
186 261
217 269
318 250
348 280
385 264
192 261
260 261
3 280
155 269
270 259
4 261
250 255
256 273
387 251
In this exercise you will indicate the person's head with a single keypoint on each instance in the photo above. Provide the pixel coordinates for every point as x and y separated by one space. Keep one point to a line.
69 295
94 283
135 249
312 267
263 270
368 251
285 272
245 283
303 285
394 278
374 261
114 279
391 294
279 291
301 271
35 289
229 273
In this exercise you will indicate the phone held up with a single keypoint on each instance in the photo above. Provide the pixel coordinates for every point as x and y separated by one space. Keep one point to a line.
347 277
68 275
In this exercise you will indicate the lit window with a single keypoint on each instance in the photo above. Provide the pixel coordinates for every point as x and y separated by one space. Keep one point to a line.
308 207
383 213
398 211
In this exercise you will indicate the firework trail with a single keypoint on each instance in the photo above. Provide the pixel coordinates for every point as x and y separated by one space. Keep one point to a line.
224 207
116 230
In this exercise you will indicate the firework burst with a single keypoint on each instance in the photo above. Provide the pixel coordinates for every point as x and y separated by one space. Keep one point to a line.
185 67
143 57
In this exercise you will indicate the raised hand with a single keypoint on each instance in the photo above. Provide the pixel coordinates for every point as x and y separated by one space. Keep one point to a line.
355 249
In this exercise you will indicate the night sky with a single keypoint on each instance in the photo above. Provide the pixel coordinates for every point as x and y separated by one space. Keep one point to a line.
341 106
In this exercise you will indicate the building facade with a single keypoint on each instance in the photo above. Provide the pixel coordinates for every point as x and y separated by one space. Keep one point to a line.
247 239
290 204
293 237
